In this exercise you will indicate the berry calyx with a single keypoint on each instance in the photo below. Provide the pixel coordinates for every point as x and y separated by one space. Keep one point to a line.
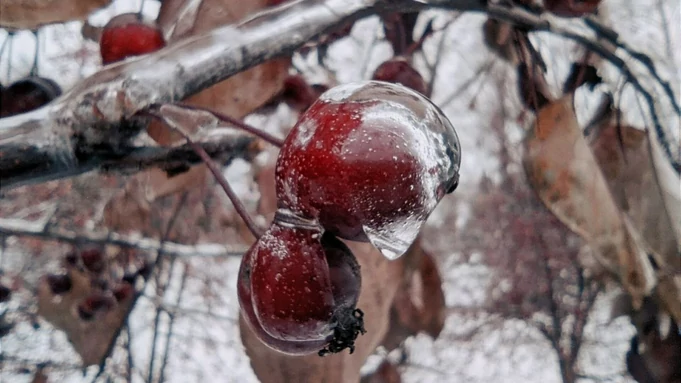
127 35
369 161
298 289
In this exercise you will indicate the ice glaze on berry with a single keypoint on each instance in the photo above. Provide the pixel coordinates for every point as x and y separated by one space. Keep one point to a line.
370 161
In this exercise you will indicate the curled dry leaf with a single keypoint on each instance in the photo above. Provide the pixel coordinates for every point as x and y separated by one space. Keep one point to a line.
625 157
31 14
563 171
628 167
419 305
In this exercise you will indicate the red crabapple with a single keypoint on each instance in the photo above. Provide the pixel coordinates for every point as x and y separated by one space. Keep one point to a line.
298 289
369 161
127 35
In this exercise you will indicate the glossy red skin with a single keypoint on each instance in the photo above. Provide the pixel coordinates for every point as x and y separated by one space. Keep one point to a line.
399 71
346 179
571 8
248 313
290 284
133 39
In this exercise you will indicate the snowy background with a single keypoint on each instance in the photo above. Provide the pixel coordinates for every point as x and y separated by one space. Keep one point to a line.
205 343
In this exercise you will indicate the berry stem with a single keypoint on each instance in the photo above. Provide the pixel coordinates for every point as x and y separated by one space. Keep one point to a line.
255 229
276 141
141 10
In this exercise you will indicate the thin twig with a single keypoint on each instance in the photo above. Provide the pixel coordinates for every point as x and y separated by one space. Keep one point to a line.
612 37
438 55
487 66
276 141
159 257
22 228
131 363
255 229
166 351
162 287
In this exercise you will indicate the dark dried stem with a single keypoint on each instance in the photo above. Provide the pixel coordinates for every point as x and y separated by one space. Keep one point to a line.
255 229
276 141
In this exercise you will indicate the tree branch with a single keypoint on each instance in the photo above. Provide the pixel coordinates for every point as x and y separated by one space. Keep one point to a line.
18 227
24 163
100 116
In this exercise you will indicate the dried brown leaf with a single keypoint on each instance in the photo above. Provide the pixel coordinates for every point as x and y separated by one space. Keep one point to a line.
89 338
31 14
629 171
563 171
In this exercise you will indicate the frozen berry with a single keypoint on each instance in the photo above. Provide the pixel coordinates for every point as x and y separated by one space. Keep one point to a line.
369 161
28 94
298 289
399 71
127 35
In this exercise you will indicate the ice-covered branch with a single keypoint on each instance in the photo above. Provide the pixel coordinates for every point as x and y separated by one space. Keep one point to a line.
20 161
101 113
100 116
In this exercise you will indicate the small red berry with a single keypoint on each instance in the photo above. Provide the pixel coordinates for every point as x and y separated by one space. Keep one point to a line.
369 161
298 289
399 71
123 291
93 260
126 36
27 94
571 8
298 94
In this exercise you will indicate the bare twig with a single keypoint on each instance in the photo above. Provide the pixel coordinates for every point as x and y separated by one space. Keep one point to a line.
10 227
177 125
157 262
438 54
166 351
276 141
162 287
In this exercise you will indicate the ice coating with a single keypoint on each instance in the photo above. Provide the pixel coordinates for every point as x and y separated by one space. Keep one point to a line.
291 278
369 161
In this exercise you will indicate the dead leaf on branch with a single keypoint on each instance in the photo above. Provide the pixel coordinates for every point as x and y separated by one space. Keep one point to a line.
629 171
626 160
563 171
31 14
419 304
